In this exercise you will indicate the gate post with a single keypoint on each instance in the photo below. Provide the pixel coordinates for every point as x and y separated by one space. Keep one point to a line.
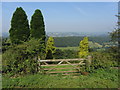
39 65
89 60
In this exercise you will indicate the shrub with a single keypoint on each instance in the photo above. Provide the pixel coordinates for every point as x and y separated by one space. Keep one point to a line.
83 48
101 60
50 48
65 54
22 59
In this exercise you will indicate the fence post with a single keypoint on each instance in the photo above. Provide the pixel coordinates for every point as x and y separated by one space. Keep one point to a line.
39 65
89 60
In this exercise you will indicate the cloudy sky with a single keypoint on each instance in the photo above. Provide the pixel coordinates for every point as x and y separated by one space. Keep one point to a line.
67 16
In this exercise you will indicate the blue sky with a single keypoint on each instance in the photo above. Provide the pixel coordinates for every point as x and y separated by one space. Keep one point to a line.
67 16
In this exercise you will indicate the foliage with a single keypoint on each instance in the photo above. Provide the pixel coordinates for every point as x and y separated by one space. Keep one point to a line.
50 48
59 54
37 26
83 48
19 31
99 79
115 35
113 51
65 54
102 60
6 44
70 54
22 59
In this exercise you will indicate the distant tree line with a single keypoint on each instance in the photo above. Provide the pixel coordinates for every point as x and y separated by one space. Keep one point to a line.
73 41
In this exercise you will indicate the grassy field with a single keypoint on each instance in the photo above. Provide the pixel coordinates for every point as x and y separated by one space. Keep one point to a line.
99 79
76 48
0 61
70 48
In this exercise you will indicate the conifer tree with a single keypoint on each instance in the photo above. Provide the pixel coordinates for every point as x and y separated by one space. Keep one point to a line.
83 48
37 26
50 48
19 31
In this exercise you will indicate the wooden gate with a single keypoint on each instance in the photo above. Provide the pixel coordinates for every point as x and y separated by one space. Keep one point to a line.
63 66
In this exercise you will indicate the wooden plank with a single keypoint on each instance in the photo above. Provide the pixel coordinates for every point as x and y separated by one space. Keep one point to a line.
71 74
59 68
56 60
62 64
71 64
63 72
80 62
45 63
68 62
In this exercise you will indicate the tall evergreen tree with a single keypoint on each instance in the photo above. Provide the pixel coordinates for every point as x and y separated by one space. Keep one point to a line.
115 35
83 48
19 31
37 26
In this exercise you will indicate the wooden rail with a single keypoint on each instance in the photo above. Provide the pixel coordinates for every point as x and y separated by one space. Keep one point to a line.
63 72
62 64
56 60
60 68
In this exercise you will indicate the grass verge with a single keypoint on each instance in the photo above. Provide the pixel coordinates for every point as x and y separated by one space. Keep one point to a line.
99 79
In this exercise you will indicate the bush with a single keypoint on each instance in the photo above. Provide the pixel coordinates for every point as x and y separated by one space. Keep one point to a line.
65 54
59 54
114 52
22 59
18 61
101 60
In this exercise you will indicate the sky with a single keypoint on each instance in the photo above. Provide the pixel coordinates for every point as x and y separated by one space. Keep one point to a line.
67 16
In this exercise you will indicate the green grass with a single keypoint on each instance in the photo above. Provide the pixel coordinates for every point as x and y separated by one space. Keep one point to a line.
100 79
70 48
71 68
0 61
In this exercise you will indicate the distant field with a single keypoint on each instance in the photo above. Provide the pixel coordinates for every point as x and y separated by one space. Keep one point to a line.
0 61
73 41
68 48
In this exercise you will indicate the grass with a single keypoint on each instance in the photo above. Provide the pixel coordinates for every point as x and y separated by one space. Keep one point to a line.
0 68
0 61
99 79
68 48
76 48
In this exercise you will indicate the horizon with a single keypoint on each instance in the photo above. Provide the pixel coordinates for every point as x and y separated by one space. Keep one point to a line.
85 17
64 34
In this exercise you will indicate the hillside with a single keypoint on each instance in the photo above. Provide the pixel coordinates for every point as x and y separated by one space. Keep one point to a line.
72 41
